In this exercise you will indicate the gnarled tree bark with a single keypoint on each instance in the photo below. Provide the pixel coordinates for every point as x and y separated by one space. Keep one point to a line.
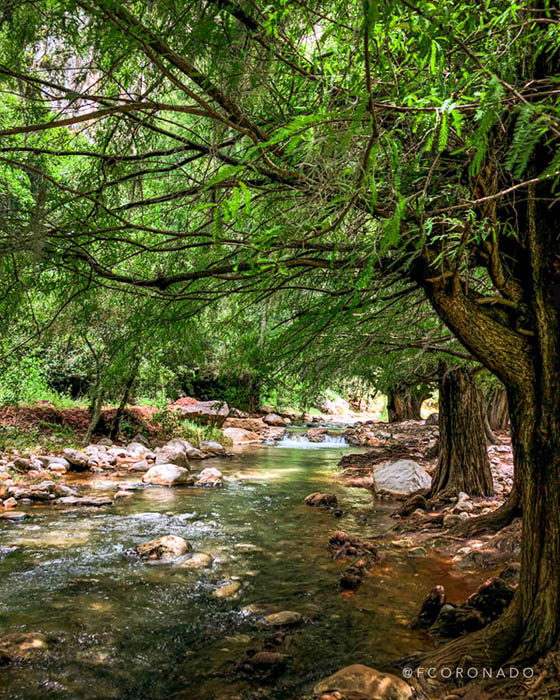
463 463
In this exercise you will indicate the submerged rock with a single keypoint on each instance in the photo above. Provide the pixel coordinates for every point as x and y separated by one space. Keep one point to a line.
402 477
167 475
164 548
199 560
372 684
210 477
83 501
230 590
321 500
21 646
286 618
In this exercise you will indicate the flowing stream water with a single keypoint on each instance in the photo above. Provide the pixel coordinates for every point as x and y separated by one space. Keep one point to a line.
125 629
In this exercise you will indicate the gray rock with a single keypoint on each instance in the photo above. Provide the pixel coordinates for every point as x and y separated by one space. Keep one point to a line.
58 462
172 455
212 412
14 515
403 477
274 419
77 460
213 447
141 466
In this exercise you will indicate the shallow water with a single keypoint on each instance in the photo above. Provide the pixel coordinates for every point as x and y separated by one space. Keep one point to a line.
128 630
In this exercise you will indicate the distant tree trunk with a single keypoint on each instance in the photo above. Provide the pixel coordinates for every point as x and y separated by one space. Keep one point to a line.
404 403
463 463
95 412
116 422
497 410
491 436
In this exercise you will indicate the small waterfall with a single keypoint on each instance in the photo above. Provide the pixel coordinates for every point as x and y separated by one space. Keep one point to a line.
302 442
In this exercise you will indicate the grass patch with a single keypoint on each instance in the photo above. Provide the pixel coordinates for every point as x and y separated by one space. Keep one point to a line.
46 437
172 425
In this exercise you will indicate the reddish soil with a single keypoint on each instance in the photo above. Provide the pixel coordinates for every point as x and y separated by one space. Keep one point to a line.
46 417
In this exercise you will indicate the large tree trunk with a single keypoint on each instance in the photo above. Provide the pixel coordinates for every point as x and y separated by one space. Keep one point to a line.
527 360
497 411
463 463
404 403
530 627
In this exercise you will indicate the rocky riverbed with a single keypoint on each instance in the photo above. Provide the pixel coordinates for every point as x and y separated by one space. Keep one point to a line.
252 572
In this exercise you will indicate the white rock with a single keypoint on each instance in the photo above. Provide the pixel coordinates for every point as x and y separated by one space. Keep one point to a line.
402 477
213 447
167 475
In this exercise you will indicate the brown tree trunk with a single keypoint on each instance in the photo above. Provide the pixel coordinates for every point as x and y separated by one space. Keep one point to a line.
404 403
526 357
498 414
463 463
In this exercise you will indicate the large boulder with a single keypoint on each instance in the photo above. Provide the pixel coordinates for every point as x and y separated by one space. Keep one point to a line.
77 460
274 419
240 436
164 548
372 684
167 475
401 478
172 455
255 425
210 412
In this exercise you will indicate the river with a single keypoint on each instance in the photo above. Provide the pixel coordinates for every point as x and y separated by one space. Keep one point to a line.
128 630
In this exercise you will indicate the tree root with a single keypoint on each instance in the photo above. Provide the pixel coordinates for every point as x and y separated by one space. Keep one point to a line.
491 522
488 648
